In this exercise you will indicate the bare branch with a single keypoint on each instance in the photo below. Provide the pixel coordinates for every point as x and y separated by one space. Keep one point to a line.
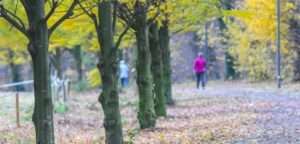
121 36
64 17
157 12
125 14
91 15
115 15
25 5
53 7
153 18
20 27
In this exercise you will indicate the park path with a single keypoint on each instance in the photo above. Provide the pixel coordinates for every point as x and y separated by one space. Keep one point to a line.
277 112
225 112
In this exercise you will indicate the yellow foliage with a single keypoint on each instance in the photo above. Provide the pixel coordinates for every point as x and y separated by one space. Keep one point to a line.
253 37
12 41
94 78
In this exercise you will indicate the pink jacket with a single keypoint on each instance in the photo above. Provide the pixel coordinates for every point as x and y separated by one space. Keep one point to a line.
199 65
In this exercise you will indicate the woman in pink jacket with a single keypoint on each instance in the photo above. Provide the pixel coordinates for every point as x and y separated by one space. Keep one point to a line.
199 69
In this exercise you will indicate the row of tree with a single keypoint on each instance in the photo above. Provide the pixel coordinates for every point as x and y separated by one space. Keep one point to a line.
104 26
148 20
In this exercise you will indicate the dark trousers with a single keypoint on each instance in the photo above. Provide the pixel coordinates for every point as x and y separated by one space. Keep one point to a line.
200 78
124 81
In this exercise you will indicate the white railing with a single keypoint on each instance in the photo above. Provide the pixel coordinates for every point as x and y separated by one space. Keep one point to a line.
59 90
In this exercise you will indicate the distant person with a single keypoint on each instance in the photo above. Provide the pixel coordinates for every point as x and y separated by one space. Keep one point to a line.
199 69
124 73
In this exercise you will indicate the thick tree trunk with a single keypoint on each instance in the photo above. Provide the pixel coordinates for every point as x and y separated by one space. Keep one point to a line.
76 52
157 72
109 69
38 48
58 62
146 114
166 60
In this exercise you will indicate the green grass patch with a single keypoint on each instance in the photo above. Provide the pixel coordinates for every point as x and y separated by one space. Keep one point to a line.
61 108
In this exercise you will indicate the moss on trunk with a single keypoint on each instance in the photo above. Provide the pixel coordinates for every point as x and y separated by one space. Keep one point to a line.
146 114
166 60
108 66
157 72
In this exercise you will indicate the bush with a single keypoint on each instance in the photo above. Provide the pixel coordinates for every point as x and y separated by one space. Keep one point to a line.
81 85
28 113
61 108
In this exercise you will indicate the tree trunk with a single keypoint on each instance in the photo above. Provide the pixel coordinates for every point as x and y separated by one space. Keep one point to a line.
38 48
166 60
58 62
229 60
15 72
76 52
109 69
297 67
16 77
294 42
146 114
230 72
157 73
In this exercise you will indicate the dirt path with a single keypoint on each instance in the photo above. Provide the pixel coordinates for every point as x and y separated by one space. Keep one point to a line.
225 112
277 112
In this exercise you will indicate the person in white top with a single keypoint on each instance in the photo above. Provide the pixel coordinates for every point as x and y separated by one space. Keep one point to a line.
124 73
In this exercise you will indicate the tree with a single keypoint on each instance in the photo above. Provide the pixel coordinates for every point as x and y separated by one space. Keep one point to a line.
73 36
12 51
230 72
164 44
179 17
38 34
156 69
137 15
76 52
294 36
108 66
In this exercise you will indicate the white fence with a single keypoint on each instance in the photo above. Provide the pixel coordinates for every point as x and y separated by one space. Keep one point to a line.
59 90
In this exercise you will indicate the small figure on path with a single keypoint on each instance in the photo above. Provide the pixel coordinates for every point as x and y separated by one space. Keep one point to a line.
199 69
124 73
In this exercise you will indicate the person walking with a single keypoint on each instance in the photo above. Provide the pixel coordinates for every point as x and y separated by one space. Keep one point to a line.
199 69
124 73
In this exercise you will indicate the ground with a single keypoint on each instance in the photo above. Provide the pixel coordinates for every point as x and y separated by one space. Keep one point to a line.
225 112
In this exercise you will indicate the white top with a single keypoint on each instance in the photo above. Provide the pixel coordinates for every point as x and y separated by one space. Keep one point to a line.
123 69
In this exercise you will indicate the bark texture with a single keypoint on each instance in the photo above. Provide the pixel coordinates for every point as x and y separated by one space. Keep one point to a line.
157 72
146 114
166 60
38 48
108 66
